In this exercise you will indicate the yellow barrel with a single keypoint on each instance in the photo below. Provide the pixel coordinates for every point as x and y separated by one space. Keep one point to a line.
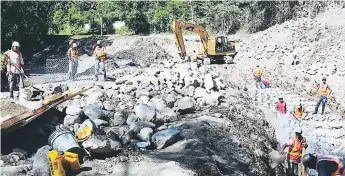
55 162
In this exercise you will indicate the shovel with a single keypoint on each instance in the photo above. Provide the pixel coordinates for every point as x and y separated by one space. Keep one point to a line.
276 158
27 82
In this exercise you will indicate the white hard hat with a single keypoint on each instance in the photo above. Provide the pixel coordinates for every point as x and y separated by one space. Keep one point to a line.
98 42
298 130
15 43
74 45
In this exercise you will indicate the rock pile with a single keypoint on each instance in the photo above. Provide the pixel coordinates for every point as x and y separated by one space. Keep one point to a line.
174 108
144 52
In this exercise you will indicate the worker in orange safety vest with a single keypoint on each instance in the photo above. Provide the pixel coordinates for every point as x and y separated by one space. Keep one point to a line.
326 165
299 112
294 155
72 55
15 72
323 92
101 55
257 76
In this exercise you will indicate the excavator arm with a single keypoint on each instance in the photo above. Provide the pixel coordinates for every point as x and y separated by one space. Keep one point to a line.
177 28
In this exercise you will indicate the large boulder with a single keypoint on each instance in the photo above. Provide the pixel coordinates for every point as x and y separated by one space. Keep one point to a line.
93 111
119 118
166 137
131 119
184 105
142 92
110 105
137 126
170 100
200 92
145 112
208 82
102 146
73 110
145 133
71 120
158 103
40 165
166 115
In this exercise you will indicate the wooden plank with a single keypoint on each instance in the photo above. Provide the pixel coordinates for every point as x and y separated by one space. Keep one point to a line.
303 171
52 102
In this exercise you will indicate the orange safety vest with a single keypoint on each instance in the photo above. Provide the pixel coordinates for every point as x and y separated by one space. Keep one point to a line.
298 113
323 90
341 168
295 151
257 72
74 53
101 54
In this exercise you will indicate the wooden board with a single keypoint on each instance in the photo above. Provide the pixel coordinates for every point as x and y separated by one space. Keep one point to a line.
26 117
303 171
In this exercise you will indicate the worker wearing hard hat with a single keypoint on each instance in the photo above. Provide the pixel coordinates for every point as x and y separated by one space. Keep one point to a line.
15 72
257 76
299 112
72 55
294 155
326 165
101 55
323 92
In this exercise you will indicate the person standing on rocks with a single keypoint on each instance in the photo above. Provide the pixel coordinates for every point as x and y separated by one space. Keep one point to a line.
15 72
281 106
323 92
326 165
257 76
296 143
72 55
101 56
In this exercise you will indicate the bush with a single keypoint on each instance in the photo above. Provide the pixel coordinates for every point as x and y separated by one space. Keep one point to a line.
124 30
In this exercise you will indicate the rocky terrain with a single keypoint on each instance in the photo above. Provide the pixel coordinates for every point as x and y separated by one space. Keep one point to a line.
156 115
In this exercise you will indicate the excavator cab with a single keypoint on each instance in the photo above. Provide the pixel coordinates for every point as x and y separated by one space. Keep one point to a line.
223 45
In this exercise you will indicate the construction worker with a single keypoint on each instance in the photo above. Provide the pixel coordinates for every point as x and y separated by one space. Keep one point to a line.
323 92
294 155
101 56
299 112
257 76
15 72
194 56
326 165
72 55
281 106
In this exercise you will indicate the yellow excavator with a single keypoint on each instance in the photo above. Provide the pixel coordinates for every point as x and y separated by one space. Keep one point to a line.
211 48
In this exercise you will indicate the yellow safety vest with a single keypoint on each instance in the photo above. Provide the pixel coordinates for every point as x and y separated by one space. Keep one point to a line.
257 72
74 53
100 54
298 113
323 90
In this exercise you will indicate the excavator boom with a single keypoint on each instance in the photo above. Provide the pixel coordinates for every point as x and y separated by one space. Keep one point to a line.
192 28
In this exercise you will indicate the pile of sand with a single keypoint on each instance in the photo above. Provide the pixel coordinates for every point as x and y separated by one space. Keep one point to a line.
10 108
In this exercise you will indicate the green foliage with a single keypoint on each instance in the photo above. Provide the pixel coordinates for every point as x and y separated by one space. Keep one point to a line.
20 18
124 30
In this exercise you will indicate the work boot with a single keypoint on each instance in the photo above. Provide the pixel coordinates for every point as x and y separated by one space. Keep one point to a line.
316 109
323 109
